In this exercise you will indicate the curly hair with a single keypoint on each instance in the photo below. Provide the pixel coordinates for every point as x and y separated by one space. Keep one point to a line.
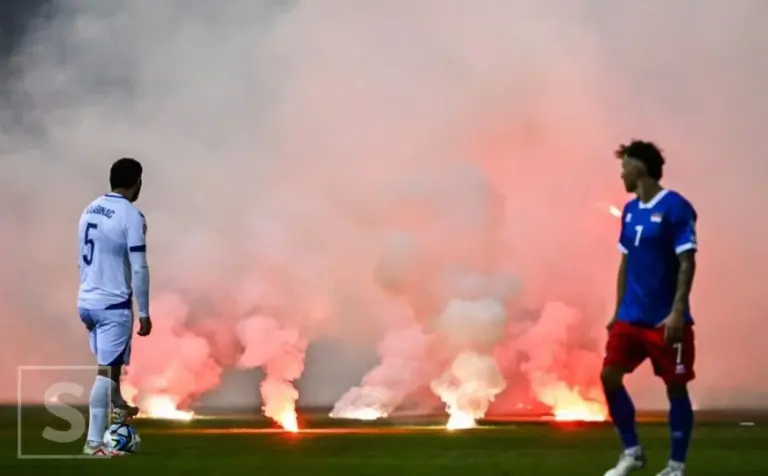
647 153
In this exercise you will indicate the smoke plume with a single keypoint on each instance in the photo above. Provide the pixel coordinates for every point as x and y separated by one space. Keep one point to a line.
179 370
343 171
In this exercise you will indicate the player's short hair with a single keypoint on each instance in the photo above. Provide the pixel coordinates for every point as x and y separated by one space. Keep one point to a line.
647 153
125 173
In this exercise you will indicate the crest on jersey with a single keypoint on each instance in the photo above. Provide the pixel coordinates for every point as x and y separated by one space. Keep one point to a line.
656 218
628 218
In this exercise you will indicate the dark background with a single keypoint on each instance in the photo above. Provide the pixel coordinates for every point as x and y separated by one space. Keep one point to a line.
16 18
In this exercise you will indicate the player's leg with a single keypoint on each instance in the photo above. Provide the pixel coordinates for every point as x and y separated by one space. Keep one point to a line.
98 402
121 409
623 353
675 365
98 406
115 353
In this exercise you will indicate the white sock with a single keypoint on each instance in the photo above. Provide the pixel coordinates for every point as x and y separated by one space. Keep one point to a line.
98 406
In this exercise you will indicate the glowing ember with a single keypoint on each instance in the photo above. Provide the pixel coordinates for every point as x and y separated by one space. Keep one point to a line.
614 210
163 407
366 414
460 421
588 411
289 421
572 403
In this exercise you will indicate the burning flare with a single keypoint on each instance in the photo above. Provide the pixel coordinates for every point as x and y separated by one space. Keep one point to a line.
402 371
468 388
364 414
279 350
569 405
586 412
279 400
159 407
163 407
550 367
473 380
289 421
460 421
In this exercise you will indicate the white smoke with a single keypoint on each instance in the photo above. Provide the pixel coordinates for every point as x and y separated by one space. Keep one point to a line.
472 325
470 384
471 329
404 366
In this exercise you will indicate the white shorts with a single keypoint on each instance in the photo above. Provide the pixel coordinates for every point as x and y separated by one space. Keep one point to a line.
110 334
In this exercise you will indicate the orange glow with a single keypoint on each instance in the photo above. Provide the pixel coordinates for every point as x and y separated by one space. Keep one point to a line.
160 406
614 210
571 404
592 412
163 407
460 421
572 407
365 414
289 421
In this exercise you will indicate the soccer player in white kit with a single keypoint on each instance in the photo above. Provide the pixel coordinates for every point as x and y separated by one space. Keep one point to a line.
113 269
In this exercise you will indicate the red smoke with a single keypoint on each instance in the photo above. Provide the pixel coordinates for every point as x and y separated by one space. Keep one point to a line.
345 174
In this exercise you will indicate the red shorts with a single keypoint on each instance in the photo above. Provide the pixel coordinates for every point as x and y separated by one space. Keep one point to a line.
629 345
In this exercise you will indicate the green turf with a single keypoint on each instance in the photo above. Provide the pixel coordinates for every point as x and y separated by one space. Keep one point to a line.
719 448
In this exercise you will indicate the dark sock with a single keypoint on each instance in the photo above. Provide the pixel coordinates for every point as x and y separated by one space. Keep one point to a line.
622 412
117 396
680 426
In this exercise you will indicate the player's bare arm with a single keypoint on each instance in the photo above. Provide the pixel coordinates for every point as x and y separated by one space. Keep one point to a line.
621 284
685 280
675 321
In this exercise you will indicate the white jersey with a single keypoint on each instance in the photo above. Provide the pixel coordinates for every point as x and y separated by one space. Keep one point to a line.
113 258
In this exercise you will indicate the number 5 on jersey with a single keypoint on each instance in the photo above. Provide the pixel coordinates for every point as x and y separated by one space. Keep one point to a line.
89 243
638 234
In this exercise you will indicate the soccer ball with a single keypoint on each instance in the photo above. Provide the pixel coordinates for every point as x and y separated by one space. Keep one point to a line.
122 437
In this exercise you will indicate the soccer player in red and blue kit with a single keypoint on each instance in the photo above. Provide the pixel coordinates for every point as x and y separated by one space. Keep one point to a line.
653 318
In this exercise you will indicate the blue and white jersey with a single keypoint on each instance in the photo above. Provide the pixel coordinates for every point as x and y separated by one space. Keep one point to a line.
652 235
113 262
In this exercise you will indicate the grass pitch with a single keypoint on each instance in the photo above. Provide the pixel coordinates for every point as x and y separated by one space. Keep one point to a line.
247 445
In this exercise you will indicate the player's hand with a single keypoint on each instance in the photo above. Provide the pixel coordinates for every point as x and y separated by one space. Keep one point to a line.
145 326
673 327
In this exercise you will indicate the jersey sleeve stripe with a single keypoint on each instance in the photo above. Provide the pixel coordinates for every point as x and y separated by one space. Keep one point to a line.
138 249
623 249
685 247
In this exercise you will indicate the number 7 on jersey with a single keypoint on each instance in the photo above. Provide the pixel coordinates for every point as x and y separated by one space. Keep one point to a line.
638 234
89 243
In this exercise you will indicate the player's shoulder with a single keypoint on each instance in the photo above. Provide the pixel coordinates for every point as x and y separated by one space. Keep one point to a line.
677 202
133 213
630 205
96 201
675 196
